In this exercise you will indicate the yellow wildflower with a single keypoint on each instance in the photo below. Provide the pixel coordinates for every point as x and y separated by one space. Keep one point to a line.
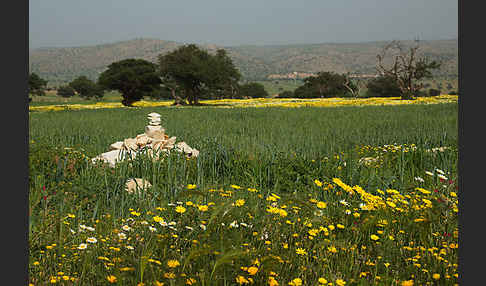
301 251
252 270
239 202
407 283
296 282
340 282
241 280
202 208
272 281
321 205
173 263
111 278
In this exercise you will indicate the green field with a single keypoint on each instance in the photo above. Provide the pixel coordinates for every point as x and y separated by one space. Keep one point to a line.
279 195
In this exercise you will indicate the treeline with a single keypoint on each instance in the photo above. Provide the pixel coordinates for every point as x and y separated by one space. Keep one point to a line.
189 73
255 63
185 75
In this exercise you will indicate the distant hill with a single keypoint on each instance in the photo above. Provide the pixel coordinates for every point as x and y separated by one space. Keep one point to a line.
61 65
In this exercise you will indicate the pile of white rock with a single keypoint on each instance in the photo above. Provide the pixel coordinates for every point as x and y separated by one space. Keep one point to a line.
154 142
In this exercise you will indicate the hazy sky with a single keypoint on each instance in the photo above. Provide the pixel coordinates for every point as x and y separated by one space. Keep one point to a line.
67 23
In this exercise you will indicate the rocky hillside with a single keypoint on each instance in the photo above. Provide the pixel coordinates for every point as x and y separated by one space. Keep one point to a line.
60 65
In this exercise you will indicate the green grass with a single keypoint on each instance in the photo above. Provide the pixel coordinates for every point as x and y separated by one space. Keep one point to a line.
293 153
277 86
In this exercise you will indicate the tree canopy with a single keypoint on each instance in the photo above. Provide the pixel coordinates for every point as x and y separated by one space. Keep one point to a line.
86 88
407 69
252 90
325 84
383 86
197 74
36 84
65 91
133 78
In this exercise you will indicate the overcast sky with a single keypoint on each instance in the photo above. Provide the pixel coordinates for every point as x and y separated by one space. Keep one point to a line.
69 23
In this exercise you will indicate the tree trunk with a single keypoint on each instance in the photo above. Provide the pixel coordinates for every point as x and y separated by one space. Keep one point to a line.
128 101
177 99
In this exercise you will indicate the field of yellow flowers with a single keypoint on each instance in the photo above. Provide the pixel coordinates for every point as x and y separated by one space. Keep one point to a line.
334 234
244 212
263 102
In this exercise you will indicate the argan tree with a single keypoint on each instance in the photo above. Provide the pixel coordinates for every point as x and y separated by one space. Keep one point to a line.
252 90
406 68
86 88
65 91
36 84
133 78
383 86
197 73
326 84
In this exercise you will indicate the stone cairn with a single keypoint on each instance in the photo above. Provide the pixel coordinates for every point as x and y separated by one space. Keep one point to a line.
154 141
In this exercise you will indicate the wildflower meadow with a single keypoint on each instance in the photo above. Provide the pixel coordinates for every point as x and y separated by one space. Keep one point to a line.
348 195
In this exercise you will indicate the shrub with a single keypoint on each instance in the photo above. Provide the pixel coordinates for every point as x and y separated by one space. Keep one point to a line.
434 92
252 90
325 85
65 91
383 86
286 94
87 88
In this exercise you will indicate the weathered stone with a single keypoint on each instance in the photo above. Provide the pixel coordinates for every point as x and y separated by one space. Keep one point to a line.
156 132
154 114
155 121
157 135
194 153
142 140
137 185
154 142
110 157
130 144
184 148
164 144
117 145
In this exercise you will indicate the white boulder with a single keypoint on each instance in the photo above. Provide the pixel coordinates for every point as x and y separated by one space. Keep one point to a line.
111 157
137 185
117 145
130 144
184 148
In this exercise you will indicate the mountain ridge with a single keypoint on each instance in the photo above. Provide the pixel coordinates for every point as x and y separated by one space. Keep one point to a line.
60 65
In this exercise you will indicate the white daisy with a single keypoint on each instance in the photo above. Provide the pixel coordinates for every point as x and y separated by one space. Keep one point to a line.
344 202
440 171
91 240
442 177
